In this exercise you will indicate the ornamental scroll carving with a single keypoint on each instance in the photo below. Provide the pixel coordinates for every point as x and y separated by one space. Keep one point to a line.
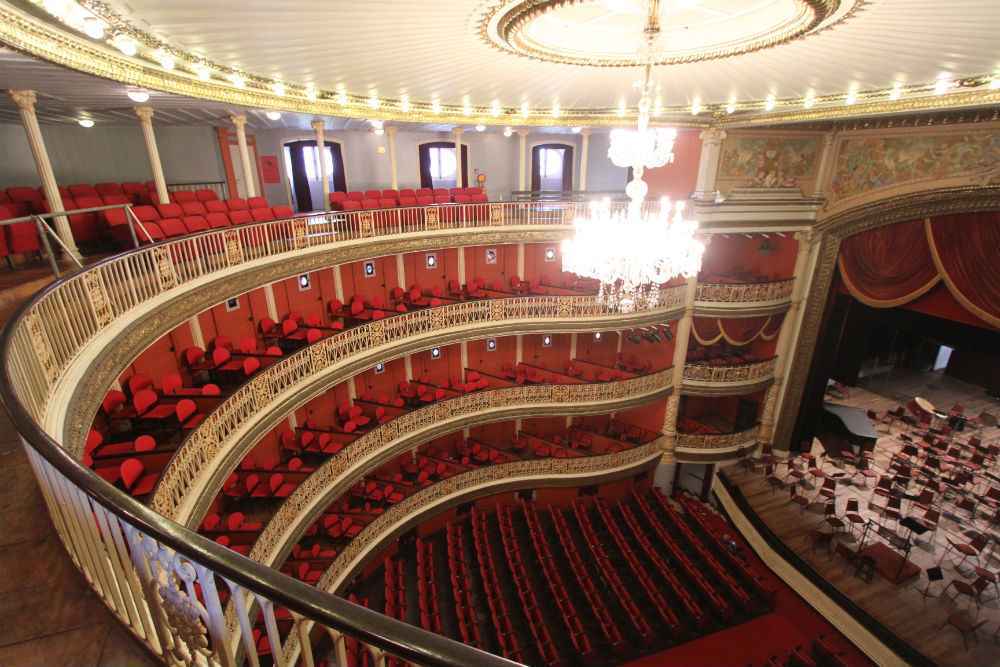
164 267
432 218
707 441
234 248
730 374
744 293
98 298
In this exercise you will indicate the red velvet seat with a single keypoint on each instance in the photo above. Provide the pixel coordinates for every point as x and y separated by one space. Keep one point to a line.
349 205
407 200
17 238
138 193
282 212
215 206
134 480
181 196
103 189
240 217
206 195
425 200
217 220
257 202
28 200
195 223
171 210
193 208
237 204
386 202
173 227
370 204
373 194
356 195
261 214
86 226
83 190
337 200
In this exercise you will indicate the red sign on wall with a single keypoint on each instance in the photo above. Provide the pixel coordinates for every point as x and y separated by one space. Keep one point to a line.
269 172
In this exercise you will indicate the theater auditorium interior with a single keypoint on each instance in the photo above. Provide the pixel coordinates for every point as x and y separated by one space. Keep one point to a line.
558 333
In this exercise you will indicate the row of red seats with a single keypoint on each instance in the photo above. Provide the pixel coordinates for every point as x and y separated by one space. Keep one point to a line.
167 221
395 592
648 585
427 588
374 199
529 603
585 582
468 628
25 200
574 624
607 569
255 485
506 636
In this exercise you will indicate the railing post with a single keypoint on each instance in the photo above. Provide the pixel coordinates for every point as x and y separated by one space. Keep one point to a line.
40 226
129 217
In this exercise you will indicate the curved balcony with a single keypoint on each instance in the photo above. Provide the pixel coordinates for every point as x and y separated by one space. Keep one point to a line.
462 488
743 299
710 447
344 469
216 446
702 379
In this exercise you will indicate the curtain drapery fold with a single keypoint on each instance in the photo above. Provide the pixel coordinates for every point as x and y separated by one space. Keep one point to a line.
735 331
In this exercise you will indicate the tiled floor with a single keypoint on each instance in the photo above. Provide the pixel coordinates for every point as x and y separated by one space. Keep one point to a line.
900 607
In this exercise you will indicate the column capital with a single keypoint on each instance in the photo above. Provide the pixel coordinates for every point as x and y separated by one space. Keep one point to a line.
24 99
585 132
524 132
712 135
458 131
316 124
391 130
145 114
239 120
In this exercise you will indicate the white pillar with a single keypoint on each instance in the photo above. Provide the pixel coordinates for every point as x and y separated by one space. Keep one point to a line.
461 265
25 101
408 368
708 164
240 121
320 126
584 153
391 132
680 358
145 115
519 349
572 346
458 157
521 159
338 284
520 261
464 348
197 336
401 271
272 305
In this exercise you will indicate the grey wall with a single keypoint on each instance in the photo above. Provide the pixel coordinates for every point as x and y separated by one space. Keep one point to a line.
111 153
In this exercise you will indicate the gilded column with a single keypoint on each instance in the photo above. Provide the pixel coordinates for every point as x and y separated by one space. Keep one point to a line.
319 126
522 151
785 336
708 164
680 358
584 153
25 101
145 115
240 121
391 132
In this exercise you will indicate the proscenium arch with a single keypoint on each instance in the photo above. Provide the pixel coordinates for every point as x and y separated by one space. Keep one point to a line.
833 230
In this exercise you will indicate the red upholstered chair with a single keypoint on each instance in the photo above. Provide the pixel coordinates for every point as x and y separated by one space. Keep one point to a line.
134 480
337 200
138 193
373 194
217 220
187 414
237 204
20 237
441 196
279 487
240 217
257 202
215 206
425 200
206 195
103 189
181 196
349 205
281 212
370 204
171 210
261 214
173 227
390 194
144 443
387 202
195 223
83 190
407 200
193 208
477 195
29 200
356 195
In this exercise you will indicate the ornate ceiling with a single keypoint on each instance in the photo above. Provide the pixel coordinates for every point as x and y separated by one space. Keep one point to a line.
524 62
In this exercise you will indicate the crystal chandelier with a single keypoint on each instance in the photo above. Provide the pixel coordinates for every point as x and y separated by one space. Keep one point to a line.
635 250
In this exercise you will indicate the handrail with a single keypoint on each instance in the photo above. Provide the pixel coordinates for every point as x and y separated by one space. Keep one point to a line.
716 441
771 291
754 371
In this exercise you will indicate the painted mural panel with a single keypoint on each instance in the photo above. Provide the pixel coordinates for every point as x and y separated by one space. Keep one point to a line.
769 162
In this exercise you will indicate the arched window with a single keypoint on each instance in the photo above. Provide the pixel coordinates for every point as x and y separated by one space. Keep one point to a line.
552 167
305 172
437 165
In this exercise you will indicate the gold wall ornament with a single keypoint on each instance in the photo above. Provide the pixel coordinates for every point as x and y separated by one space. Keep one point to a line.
41 345
98 298
432 218
164 268
366 219
234 248
496 214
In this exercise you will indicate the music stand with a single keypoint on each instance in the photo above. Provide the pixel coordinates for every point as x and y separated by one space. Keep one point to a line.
934 574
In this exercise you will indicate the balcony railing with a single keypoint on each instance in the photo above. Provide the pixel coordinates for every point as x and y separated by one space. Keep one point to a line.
716 443
212 449
742 374
722 294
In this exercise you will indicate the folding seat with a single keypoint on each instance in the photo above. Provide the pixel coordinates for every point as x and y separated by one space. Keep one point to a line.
195 223
370 204
103 189
193 208
279 487
390 194
181 196
425 200
27 200
237 204
261 214
282 212
373 194
217 220
356 195
424 192
407 192
240 217
215 206
134 480
257 202
83 190
171 210
386 202
349 205
19 237
173 227
407 200
136 192
477 195
441 196
206 195
462 198
337 200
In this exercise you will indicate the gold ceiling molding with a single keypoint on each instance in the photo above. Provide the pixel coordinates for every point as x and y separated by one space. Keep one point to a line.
505 26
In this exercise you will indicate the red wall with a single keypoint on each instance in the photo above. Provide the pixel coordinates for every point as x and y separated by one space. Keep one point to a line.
677 180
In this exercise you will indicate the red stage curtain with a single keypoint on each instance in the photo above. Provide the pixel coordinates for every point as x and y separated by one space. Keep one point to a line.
888 266
966 253
736 331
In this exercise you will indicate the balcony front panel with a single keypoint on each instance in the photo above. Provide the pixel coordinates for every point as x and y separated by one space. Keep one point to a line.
702 379
711 447
743 299
336 476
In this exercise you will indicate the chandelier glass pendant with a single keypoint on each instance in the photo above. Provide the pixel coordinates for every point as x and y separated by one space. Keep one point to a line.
632 251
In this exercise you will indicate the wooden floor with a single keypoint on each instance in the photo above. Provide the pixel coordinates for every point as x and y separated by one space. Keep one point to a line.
901 608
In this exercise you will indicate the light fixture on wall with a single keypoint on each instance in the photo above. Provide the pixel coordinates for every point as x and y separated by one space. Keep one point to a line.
279 88
125 44
273 115
86 122
576 130
166 60
480 128
508 132
139 96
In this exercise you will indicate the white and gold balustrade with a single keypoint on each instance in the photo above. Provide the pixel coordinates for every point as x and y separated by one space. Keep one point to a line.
743 299
710 447
705 379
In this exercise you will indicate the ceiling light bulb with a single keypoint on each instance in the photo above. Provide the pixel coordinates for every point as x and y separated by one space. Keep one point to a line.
731 107
341 97
273 115
139 96
125 44
507 132
770 103
695 107
943 83
204 73
852 97
404 103
495 107
466 106
56 7
376 123
165 59
576 130
93 27
436 105
278 88
897 91
524 109
311 93
480 128
621 108
556 109
810 100
85 122
238 80
995 83
379 131
658 106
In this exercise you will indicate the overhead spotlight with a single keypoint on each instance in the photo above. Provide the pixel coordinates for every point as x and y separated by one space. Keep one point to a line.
404 103
731 106
770 103
897 91
436 105
165 59
125 44
57 8
93 27
376 123
943 83
696 107
556 109
237 80
480 128
311 93
139 96
204 73
273 115
507 132
279 88
621 108
995 83
373 101
85 122
524 109
810 100
576 130
466 106
495 108
658 106
341 96
852 96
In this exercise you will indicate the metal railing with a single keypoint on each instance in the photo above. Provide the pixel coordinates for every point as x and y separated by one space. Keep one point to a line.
764 292
756 371
714 442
